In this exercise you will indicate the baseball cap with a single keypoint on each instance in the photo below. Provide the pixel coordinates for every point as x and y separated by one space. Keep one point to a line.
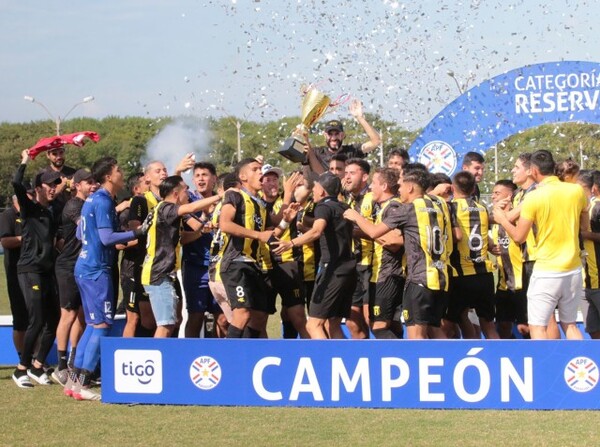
81 175
47 177
334 125
268 169
330 183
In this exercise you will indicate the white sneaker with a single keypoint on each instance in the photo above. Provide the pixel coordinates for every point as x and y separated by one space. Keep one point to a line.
22 381
60 376
86 394
42 379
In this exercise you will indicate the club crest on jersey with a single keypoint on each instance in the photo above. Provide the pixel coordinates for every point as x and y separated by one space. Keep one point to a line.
581 374
205 372
438 156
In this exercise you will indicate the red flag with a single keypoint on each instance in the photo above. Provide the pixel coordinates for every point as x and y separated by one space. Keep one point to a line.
47 144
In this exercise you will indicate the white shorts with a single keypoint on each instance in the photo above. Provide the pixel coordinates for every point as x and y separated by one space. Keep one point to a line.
545 293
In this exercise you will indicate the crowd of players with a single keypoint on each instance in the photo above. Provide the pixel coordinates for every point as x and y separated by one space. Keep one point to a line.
383 249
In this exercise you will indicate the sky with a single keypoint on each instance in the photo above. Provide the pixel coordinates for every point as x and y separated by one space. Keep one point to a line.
251 58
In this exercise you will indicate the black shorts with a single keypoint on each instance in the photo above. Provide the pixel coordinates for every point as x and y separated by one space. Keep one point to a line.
334 285
309 286
68 292
133 290
511 305
361 292
423 306
385 299
246 287
18 309
286 279
472 292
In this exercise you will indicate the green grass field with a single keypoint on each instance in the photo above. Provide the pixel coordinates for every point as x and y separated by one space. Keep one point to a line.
43 416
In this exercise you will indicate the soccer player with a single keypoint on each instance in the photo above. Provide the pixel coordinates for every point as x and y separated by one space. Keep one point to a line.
71 324
337 165
556 278
11 239
590 181
336 277
397 158
244 220
318 158
422 225
511 298
386 282
160 266
474 163
283 270
98 232
473 285
35 270
196 254
358 197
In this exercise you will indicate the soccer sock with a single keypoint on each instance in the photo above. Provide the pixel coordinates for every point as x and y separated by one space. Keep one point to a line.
92 350
384 334
85 377
71 360
234 332
250 333
289 331
78 363
62 360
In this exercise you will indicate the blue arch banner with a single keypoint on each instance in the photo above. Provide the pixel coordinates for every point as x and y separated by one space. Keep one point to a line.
363 374
512 102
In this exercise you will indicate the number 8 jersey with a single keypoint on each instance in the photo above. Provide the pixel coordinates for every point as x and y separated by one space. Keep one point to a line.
471 254
424 229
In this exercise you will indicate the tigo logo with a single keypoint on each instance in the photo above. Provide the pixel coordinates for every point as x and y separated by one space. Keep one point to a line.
138 371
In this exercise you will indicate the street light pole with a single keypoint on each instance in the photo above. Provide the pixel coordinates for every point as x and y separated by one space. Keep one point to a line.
58 120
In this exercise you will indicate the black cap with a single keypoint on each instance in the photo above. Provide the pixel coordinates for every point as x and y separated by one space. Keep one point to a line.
334 125
81 175
330 183
48 177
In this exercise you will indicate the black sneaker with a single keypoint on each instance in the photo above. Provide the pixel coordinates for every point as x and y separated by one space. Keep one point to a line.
21 379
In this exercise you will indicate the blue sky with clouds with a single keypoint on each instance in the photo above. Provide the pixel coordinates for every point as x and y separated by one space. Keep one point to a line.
157 57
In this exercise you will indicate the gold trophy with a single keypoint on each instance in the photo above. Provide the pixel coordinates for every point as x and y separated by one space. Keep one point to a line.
314 106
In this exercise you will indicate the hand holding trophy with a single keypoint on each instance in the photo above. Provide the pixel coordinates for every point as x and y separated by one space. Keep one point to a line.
314 105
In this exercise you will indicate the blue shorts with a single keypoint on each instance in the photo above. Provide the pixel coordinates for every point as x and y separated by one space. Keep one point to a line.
97 297
163 299
198 296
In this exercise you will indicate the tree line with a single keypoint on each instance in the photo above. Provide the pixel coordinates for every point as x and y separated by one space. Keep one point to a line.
126 139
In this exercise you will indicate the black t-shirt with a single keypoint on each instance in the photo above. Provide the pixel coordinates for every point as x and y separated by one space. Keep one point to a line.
72 246
324 155
38 231
336 240
138 210
10 225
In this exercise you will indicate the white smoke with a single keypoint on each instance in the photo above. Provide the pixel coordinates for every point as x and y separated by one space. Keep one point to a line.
184 135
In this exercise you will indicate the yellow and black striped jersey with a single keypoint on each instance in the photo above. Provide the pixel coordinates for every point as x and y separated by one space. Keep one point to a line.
385 263
310 252
528 247
250 213
217 245
510 261
422 225
470 256
366 206
162 244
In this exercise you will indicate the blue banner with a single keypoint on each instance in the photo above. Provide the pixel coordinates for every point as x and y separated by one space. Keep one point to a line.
494 110
366 374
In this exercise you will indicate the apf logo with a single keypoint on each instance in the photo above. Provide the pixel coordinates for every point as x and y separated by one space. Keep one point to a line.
581 374
438 156
205 372
138 371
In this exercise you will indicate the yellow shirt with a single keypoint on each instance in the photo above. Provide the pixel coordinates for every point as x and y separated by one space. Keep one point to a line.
555 208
